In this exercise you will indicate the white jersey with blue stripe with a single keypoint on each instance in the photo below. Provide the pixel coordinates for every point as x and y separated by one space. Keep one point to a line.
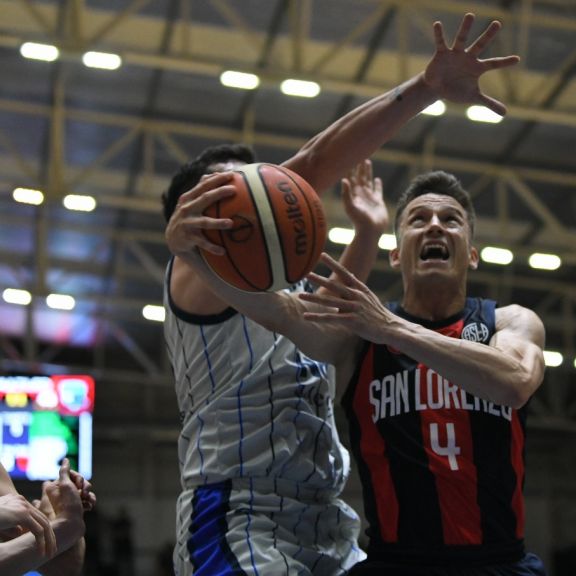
260 459
251 404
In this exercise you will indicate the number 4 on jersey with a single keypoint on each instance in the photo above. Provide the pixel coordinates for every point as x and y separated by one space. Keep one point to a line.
450 450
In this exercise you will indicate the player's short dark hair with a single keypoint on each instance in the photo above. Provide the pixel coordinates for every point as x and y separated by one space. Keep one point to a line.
437 182
189 174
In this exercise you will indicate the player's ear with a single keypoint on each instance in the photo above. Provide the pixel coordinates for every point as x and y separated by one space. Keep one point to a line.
394 257
473 258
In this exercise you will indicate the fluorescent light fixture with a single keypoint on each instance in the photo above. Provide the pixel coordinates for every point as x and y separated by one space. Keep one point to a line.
494 255
341 235
79 203
36 51
60 301
387 242
154 313
436 109
545 261
17 296
28 196
553 359
346 235
483 114
302 88
241 80
102 60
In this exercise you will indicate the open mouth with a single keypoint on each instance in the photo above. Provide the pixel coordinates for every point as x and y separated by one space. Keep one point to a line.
434 252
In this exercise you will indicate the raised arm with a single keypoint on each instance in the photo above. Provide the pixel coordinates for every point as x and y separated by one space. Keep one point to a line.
367 211
452 74
507 371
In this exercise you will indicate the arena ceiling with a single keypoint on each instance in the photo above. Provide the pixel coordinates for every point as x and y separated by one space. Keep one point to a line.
119 135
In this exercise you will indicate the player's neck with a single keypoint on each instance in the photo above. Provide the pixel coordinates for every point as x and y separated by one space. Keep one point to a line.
434 302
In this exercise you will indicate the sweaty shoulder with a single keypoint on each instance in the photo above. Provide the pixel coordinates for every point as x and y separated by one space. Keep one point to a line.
190 293
521 321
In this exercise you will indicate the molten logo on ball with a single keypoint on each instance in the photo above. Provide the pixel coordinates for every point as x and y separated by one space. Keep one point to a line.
294 214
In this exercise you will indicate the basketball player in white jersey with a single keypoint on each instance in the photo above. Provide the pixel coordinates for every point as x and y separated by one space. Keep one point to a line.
261 462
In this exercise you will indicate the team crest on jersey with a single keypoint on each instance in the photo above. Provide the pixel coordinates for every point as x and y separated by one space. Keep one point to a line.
475 332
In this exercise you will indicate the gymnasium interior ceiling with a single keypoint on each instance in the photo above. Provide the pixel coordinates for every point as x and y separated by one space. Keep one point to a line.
119 135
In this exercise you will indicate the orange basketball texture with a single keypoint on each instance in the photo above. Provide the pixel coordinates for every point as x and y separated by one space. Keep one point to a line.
278 234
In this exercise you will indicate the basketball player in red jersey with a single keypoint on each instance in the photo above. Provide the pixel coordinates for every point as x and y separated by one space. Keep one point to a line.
438 386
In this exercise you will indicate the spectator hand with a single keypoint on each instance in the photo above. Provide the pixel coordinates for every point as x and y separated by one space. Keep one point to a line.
17 516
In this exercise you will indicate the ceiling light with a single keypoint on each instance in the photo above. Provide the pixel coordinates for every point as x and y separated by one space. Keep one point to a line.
302 88
60 301
341 235
494 255
154 313
102 60
241 80
28 196
545 261
17 296
79 203
553 359
387 242
35 51
436 109
483 114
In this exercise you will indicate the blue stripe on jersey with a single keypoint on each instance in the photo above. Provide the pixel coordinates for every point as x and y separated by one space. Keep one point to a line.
207 356
239 396
207 545
251 504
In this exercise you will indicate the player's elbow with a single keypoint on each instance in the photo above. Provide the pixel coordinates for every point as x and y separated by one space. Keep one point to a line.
518 394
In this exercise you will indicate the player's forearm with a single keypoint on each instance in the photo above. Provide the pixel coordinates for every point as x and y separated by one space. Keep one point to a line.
355 136
482 370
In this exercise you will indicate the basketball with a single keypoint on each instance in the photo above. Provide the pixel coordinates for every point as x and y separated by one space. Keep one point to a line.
278 233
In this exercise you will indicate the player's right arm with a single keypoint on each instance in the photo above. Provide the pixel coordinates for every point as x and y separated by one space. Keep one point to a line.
188 290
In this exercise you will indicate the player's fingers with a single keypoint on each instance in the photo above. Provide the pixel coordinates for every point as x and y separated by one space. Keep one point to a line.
493 104
200 241
200 203
462 34
485 38
439 40
368 171
207 182
347 276
500 62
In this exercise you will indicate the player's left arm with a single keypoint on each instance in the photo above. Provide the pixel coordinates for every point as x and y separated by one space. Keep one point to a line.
507 371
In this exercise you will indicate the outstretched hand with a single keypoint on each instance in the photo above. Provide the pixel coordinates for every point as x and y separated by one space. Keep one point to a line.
454 71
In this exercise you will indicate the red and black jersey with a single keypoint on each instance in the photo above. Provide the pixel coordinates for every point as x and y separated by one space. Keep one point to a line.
442 470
